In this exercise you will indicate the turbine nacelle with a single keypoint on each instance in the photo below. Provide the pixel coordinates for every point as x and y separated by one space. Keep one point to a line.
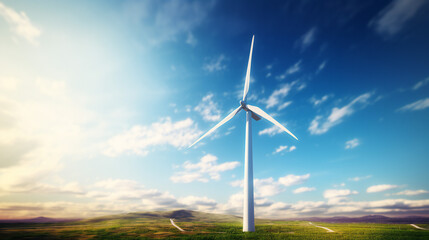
245 108
243 105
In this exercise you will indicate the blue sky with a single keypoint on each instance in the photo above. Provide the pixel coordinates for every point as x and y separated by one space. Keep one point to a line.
99 101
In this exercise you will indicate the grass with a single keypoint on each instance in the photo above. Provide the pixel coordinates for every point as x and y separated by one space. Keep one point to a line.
204 226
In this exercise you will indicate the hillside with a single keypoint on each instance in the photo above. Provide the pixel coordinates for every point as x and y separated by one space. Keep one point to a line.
199 225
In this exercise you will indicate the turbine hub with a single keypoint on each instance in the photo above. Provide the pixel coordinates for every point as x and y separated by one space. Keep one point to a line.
243 105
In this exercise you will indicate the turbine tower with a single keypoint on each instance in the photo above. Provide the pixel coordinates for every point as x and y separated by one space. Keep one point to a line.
255 113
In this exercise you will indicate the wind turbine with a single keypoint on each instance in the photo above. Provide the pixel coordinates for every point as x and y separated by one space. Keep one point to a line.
255 113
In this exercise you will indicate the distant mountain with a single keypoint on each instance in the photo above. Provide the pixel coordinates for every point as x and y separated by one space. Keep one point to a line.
180 215
195 216
39 220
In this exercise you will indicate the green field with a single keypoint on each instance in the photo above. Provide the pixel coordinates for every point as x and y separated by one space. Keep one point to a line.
203 226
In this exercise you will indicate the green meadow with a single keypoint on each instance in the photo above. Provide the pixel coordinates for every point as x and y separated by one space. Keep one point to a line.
156 225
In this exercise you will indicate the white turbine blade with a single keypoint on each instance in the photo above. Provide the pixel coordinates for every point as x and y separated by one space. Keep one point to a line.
247 81
269 118
232 114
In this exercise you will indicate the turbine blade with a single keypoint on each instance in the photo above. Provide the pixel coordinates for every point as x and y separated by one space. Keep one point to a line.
247 81
269 118
226 119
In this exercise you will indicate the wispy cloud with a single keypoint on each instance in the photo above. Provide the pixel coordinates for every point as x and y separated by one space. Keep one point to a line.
350 144
335 193
215 64
380 188
284 105
164 21
392 18
140 138
357 179
321 66
291 70
415 106
20 24
421 83
321 125
317 102
208 108
269 187
307 39
191 40
271 131
284 149
264 207
335 196
204 170
303 190
278 95
291 179
411 192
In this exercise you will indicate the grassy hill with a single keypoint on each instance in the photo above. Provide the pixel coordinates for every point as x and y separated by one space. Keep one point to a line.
198 225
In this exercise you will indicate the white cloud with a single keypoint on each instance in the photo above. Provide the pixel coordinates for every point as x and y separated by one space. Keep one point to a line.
291 179
140 138
411 192
421 84
121 190
215 64
303 189
208 108
271 131
138 197
417 105
357 179
337 196
307 39
207 168
275 98
350 144
191 40
284 149
393 17
321 125
20 24
280 149
234 205
198 203
316 102
284 105
269 187
380 188
321 66
335 193
291 70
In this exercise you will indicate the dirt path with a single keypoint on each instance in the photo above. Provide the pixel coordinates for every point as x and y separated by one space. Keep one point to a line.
172 222
418 227
327 229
